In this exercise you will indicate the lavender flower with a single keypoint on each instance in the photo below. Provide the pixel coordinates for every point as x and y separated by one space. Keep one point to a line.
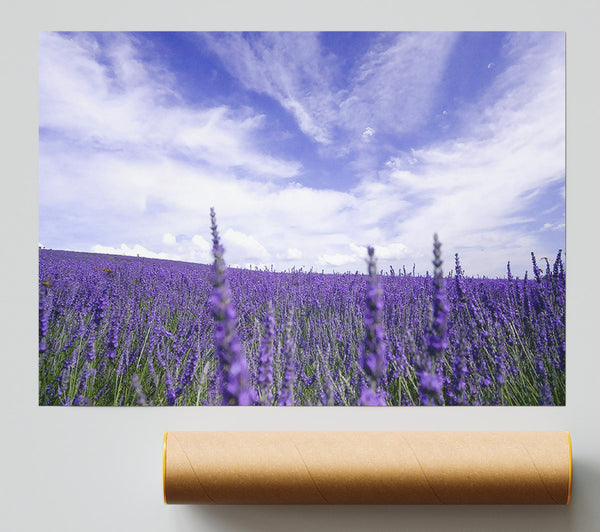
536 270
170 389
232 367
190 370
287 385
430 384
90 353
139 392
460 371
156 322
113 340
100 308
44 314
82 387
437 340
265 370
459 279
545 394
373 360
557 268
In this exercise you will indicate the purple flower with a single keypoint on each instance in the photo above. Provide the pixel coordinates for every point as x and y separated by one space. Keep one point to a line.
80 400
139 392
190 369
44 314
373 360
113 340
90 353
430 387
170 389
437 339
265 370
557 268
287 385
231 364
430 384
100 308
82 386
536 271
502 341
368 397
459 279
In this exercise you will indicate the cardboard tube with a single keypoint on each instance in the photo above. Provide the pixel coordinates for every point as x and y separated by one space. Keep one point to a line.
367 467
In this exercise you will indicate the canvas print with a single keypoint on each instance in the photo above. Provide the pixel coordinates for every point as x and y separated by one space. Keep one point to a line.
298 218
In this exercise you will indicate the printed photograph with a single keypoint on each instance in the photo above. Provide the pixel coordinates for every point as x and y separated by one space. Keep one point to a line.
302 219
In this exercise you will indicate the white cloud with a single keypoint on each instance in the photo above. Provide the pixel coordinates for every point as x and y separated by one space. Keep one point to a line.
315 211
286 66
201 243
392 89
357 256
336 259
293 254
397 82
135 250
106 97
395 251
169 239
475 190
181 251
368 132
238 243
553 227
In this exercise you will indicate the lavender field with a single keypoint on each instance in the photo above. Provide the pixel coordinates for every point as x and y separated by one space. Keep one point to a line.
118 330
332 159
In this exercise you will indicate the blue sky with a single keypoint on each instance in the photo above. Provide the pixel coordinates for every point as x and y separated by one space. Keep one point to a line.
310 146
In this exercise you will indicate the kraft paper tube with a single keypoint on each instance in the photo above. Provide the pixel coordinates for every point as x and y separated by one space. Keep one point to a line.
367 467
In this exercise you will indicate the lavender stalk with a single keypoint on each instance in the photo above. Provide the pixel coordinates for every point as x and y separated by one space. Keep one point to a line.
232 367
430 383
373 361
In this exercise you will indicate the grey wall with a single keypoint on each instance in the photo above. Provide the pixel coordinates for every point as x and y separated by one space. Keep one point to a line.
100 469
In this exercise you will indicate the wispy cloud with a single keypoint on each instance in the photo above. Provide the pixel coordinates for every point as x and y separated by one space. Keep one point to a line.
391 87
475 190
103 96
289 67
395 83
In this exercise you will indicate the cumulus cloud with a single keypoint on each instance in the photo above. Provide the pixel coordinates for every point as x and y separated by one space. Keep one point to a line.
355 255
336 259
246 246
201 243
293 254
180 251
394 252
169 239
135 250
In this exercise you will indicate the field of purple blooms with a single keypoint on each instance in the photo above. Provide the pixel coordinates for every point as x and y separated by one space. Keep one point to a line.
118 330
